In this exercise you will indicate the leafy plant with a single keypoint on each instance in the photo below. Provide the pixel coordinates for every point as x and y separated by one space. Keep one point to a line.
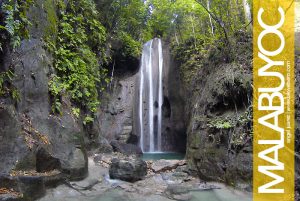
79 54
6 88
88 119
221 124
130 47
13 28
76 112
15 22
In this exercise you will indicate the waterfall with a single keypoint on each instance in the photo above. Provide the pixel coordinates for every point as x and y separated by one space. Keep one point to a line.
160 93
151 97
247 10
149 73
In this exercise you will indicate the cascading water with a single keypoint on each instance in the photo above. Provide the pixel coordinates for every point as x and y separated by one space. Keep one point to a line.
247 10
160 93
151 97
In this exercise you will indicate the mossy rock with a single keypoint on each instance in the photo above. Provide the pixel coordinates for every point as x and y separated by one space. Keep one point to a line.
51 29
43 18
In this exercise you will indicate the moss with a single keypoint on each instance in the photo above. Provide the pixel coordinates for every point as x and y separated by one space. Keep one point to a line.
51 29
196 141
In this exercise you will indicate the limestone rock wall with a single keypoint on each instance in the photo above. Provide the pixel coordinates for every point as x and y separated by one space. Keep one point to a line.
219 117
27 125
116 115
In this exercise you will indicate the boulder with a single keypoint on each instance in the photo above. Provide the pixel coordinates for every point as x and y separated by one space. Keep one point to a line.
32 187
104 147
128 169
127 149
165 165
175 178
45 161
76 166
178 192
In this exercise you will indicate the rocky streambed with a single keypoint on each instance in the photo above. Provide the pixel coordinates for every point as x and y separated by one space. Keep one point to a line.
163 180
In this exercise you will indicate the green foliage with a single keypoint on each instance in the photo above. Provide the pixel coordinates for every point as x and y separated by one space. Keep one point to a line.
221 123
13 28
176 20
6 88
5 76
50 30
182 20
192 56
77 51
56 88
159 23
130 47
239 125
125 21
88 119
123 15
15 22
244 119
76 112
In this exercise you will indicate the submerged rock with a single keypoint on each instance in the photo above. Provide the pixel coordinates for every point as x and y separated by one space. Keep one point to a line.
166 165
178 192
128 169
126 148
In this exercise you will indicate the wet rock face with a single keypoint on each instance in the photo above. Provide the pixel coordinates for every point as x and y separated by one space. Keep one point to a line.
116 115
219 142
12 147
174 124
128 149
128 169
31 138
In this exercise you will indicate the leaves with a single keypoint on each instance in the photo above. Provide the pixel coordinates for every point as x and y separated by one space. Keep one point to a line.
6 88
15 22
221 123
88 119
11 191
81 39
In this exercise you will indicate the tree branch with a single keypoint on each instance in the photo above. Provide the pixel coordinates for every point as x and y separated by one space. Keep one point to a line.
214 17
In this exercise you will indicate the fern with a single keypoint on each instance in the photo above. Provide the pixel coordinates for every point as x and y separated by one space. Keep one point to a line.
15 22
80 42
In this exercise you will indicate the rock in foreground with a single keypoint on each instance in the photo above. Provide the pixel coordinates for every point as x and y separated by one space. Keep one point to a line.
178 192
166 165
128 169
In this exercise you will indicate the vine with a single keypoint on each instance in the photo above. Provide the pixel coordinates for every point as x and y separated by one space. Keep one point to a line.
77 51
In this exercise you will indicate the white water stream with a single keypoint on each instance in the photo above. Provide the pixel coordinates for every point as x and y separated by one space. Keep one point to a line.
151 97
